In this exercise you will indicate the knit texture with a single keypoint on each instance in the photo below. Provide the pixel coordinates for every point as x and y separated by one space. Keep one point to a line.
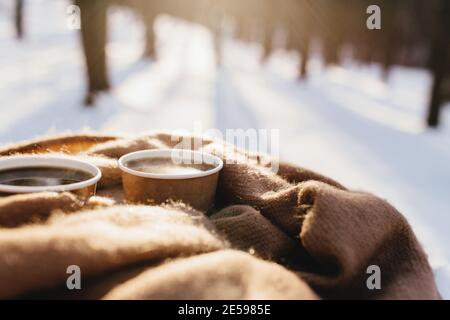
293 234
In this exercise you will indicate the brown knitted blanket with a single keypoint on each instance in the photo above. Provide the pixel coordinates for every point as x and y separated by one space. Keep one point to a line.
291 235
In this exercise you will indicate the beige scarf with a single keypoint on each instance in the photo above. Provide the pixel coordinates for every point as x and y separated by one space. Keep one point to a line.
291 235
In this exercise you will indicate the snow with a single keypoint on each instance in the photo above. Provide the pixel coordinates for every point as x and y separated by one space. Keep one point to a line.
345 122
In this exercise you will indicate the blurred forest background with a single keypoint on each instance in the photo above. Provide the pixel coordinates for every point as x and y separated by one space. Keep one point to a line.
414 33
369 108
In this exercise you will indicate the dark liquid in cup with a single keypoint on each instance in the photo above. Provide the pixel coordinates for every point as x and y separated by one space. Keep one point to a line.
167 166
42 176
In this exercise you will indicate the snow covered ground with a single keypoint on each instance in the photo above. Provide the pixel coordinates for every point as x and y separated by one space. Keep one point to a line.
344 122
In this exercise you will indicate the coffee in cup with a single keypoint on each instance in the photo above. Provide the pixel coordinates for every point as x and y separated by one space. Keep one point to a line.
158 176
39 173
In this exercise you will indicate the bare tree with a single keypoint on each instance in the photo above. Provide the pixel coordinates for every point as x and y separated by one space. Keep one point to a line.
93 37
149 13
439 61
18 18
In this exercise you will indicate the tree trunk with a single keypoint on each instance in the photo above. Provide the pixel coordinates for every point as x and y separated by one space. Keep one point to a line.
304 51
388 39
149 13
93 37
439 61
18 18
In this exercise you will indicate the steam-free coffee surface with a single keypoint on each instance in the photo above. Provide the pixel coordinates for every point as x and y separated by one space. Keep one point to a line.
167 166
42 176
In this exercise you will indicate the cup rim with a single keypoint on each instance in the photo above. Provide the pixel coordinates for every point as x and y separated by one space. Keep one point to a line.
23 161
155 153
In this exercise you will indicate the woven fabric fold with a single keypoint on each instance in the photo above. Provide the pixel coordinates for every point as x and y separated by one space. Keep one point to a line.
290 234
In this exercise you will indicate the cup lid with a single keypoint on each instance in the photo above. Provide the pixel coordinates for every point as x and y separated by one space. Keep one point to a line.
46 161
198 157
